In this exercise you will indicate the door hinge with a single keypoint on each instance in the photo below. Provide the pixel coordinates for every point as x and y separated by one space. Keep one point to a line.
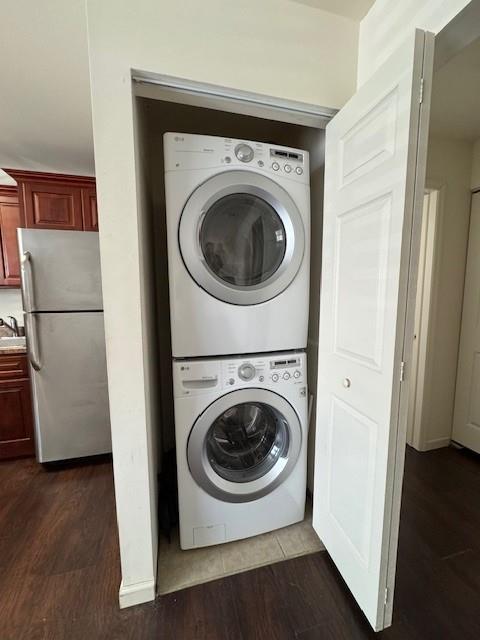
385 600
420 97
402 371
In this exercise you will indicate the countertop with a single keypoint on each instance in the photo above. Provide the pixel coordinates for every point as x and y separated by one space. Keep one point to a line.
12 349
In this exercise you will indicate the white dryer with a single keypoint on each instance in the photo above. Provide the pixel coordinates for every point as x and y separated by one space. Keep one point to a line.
241 438
238 229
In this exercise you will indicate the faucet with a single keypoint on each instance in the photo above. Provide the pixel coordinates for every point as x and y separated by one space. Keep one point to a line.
12 324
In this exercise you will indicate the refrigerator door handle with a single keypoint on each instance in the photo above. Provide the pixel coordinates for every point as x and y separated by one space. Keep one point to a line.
32 341
27 281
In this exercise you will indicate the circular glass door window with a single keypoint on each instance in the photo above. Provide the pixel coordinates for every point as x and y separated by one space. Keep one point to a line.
246 441
242 239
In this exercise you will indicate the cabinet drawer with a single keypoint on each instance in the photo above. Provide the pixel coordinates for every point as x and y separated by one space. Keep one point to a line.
13 366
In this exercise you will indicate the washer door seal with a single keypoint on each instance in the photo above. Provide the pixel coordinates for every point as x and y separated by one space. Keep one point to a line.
237 461
280 254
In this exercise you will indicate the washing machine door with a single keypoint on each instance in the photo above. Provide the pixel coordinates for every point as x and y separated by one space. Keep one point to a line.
244 445
241 237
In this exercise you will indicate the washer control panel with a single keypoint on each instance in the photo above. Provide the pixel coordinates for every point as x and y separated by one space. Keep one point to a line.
185 151
287 368
265 371
207 375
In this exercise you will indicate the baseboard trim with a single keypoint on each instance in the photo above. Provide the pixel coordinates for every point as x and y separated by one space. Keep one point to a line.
132 594
437 443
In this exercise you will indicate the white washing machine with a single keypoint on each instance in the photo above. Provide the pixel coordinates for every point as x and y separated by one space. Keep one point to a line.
241 437
238 228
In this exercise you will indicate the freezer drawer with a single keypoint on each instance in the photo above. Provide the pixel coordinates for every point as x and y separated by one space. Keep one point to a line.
60 270
69 382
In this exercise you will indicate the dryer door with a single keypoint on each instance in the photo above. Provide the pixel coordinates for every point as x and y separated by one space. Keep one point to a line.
244 445
241 237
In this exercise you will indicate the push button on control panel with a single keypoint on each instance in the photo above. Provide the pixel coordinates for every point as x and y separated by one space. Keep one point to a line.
275 377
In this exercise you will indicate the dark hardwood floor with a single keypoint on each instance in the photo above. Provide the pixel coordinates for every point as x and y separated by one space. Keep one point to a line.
59 572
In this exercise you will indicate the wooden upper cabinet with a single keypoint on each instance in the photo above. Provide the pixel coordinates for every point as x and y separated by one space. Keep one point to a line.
56 201
52 206
89 208
9 222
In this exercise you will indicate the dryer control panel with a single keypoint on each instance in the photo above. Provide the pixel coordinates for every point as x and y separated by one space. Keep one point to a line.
194 377
185 151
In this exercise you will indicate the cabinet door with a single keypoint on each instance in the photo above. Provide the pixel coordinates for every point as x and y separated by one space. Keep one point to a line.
9 223
52 206
89 208
16 419
375 156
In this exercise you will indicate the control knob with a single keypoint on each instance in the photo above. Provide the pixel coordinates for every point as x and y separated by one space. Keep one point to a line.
246 371
244 152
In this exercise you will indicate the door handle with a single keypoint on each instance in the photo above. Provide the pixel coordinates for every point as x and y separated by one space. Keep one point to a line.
32 341
27 281
347 383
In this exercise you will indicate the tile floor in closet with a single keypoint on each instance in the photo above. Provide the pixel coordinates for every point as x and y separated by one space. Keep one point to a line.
179 569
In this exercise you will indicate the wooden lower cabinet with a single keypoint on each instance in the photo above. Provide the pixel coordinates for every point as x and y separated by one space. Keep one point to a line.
16 412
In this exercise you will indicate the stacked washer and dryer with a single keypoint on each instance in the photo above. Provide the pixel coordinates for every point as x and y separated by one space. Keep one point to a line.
238 230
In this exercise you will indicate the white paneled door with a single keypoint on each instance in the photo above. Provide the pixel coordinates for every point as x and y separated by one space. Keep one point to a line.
374 181
466 421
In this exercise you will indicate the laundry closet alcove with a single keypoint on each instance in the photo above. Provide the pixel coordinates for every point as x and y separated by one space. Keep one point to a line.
159 109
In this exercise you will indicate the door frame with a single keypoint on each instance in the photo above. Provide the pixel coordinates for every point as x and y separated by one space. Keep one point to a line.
406 323
157 86
425 325
167 88
457 401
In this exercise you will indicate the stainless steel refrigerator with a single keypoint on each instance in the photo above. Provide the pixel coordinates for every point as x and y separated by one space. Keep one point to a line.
63 312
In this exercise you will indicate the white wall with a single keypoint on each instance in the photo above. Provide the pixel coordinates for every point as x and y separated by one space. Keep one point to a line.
276 47
389 23
449 166
11 304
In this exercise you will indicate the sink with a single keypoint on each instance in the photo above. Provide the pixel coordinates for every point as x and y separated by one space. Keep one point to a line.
14 341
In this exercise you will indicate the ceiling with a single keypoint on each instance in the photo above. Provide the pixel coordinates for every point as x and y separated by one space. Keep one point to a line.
354 9
455 110
45 110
